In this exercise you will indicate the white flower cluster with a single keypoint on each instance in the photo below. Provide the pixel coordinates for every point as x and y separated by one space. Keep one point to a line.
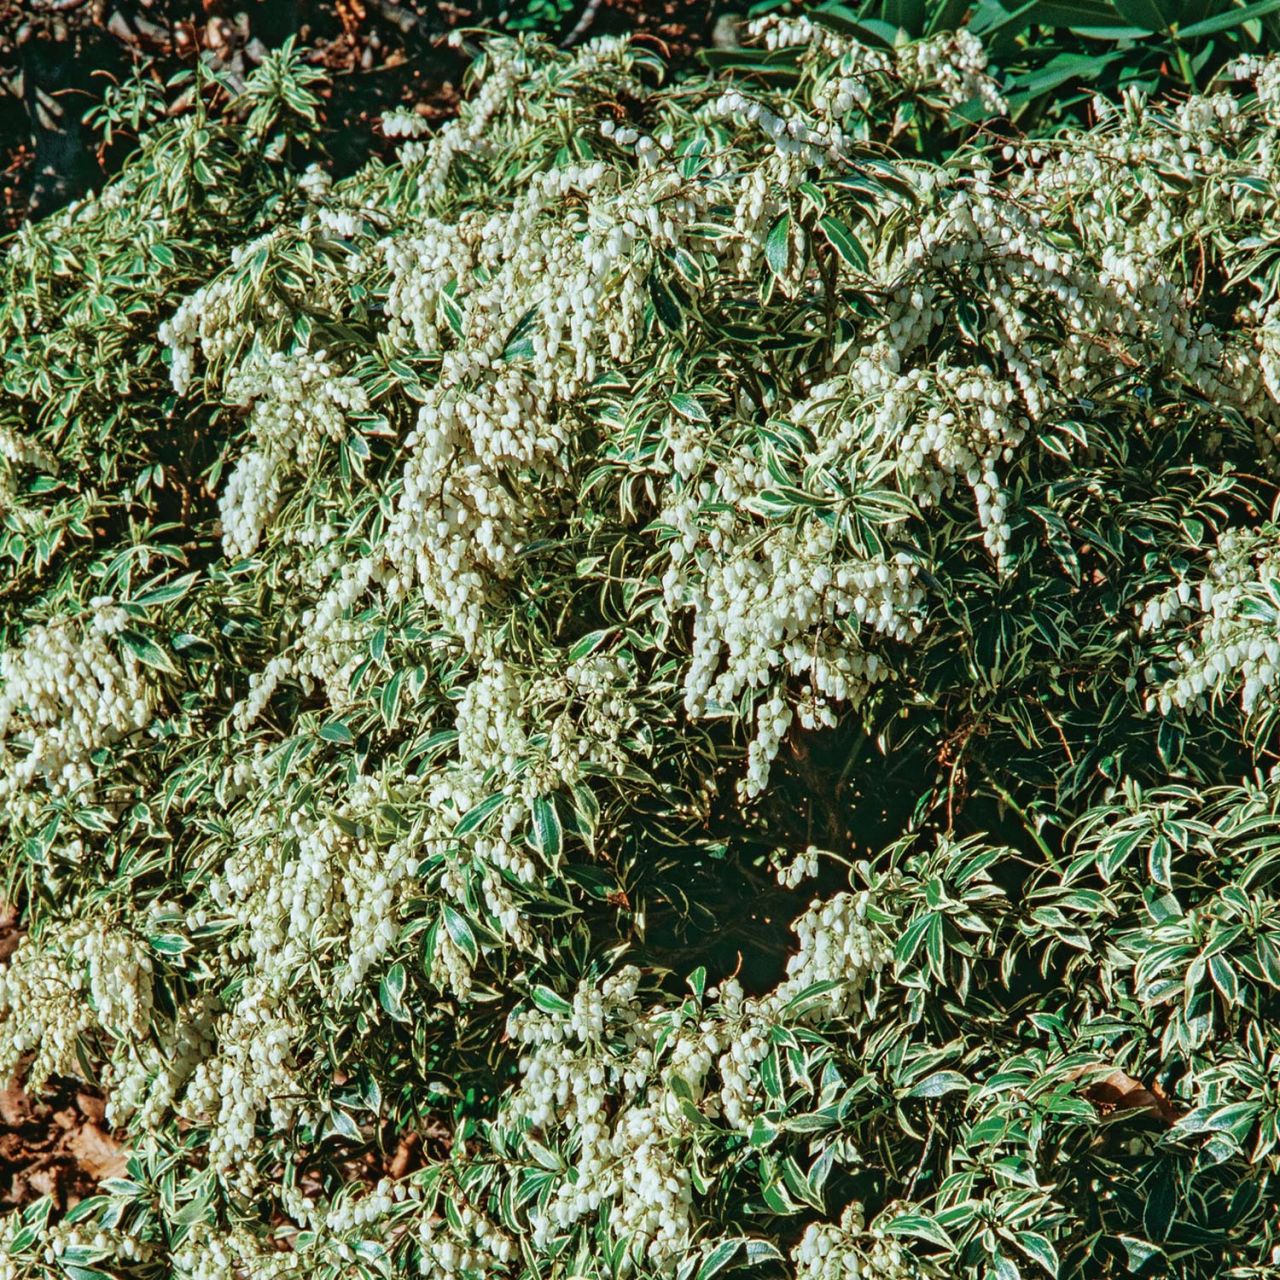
457 525
775 31
806 139
328 652
1265 74
119 980
603 1046
838 950
467 135
795 870
146 1083
1128 302
784 604
848 1251
939 425
43 1011
1231 623
94 977
69 1246
402 123
21 450
837 945
609 1080
315 182
474 1247
211 322
299 401
250 1076
955 66
951 67
68 690
948 420
421 267
295 878
208 1252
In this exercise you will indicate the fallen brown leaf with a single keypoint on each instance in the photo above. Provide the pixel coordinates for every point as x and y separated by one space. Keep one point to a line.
93 1108
96 1152
15 1107
1112 1089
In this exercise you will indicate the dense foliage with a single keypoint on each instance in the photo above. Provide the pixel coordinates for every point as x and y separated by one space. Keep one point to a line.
710 651
1050 55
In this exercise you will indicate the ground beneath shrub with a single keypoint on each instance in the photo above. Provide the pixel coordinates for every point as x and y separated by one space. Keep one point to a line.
56 1144
374 62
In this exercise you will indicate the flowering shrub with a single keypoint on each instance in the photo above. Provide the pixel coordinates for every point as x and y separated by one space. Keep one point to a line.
716 673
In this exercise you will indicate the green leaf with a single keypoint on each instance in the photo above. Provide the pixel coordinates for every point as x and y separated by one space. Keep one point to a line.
1228 19
549 1002
343 1125
547 833
391 992
1152 15
1038 1248
843 241
147 651
1160 861
588 644
169 944
761 1251
200 1209
1059 70
771 1076
720 1257
777 246
938 1084
921 1225
1237 1118
389 703
969 318
475 817
1224 978
909 943
1138 1253
460 931
544 1155
166 594
337 731
1161 1204
687 407
599 882
666 305
1003 1268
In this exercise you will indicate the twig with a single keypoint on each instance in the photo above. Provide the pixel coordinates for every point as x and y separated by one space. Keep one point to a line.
924 1156
1026 820
583 25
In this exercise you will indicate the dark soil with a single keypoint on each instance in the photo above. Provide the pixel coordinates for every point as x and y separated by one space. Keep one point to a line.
378 53
57 1144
